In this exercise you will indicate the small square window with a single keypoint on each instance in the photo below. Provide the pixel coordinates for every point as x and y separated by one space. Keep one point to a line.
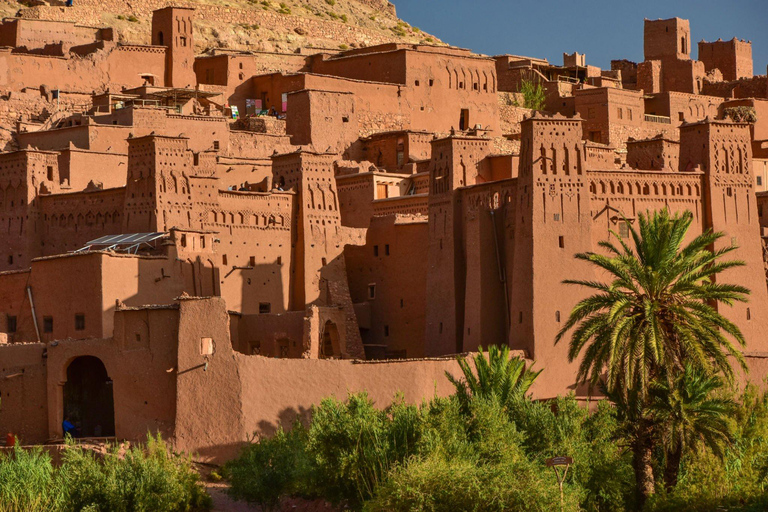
252 261
386 249
371 291
215 145
680 116
11 324
557 316
223 259
431 82
386 330
417 83
561 241
265 308
759 180
79 322
47 324
206 346
623 230
279 260
375 250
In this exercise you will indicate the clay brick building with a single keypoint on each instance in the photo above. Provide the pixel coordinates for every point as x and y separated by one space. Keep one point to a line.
212 243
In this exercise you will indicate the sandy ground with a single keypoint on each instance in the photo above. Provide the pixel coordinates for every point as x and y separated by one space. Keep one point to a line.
223 503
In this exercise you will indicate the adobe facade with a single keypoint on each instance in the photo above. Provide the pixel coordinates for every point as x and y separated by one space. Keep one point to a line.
207 245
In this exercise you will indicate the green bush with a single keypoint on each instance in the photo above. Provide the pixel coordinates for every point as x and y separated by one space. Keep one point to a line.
27 481
353 444
271 468
444 484
533 95
146 478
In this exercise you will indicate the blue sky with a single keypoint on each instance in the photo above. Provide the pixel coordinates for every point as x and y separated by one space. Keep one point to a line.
603 29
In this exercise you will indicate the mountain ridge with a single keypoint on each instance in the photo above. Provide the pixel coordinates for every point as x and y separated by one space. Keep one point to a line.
248 25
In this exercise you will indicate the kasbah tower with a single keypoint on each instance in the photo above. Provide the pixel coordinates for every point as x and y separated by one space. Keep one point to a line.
207 244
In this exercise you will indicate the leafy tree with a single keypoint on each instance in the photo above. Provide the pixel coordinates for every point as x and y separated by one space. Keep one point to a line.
500 376
533 95
656 313
688 412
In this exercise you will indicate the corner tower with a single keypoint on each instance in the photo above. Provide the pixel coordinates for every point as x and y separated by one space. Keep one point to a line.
667 39
723 151
172 28
552 224
454 164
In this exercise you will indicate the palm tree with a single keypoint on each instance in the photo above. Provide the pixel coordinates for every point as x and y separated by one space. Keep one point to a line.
657 312
499 376
688 412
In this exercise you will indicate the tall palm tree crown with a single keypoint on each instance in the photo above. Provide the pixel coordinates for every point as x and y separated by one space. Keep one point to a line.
659 308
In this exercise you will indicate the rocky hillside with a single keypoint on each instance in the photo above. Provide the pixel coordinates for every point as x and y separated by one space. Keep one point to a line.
267 25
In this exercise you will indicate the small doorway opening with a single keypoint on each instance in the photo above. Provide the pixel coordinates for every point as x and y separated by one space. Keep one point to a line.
330 341
88 400
464 119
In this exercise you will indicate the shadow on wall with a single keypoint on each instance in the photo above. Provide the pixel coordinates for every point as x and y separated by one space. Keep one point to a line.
286 419
263 287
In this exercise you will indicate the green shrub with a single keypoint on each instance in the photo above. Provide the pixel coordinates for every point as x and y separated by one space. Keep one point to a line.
330 2
272 468
343 47
740 114
344 18
471 462
353 444
533 95
147 478
448 484
132 19
27 482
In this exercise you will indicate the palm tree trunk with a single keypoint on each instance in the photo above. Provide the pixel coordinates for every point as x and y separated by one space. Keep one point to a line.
642 461
672 467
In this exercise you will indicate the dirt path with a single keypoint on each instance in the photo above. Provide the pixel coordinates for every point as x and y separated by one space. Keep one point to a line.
223 503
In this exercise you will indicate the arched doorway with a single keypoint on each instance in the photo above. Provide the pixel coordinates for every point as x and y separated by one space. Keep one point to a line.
330 341
88 400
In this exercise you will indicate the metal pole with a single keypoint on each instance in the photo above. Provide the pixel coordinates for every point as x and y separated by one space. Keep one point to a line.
34 315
